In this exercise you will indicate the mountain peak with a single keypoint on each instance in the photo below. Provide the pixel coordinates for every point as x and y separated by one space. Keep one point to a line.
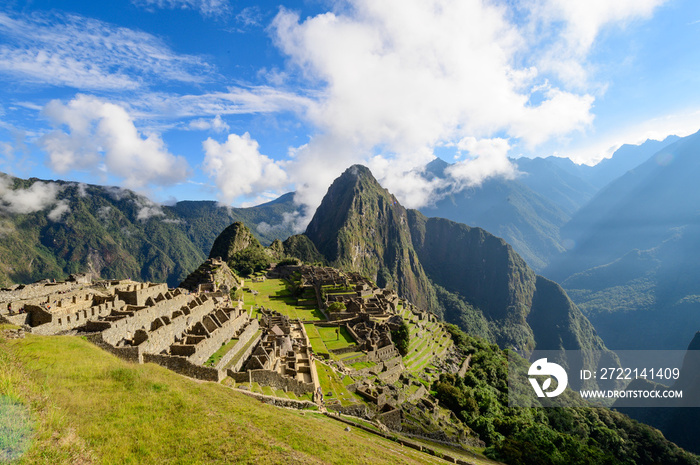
234 238
348 197
357 171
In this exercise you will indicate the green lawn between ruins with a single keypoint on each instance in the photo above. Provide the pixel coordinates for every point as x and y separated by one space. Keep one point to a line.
88 406
273 294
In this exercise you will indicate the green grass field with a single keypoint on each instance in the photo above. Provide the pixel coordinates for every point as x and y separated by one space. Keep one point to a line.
87 406
236 358
273 294
223 350
331 382
323 340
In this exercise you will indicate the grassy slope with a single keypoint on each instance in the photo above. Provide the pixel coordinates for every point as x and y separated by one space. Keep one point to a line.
91 407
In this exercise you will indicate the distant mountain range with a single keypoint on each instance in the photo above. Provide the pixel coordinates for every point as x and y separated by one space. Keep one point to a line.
634 268
530 210
49 229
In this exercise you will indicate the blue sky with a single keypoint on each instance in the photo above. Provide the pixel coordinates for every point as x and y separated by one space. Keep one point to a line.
242 101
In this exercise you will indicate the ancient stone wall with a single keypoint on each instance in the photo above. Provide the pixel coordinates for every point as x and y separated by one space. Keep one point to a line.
142 318
391 375
422 391
138 293
277 381
46 322
162 337
130 354
238 376
208 346
243 339
346 350
383 353
16 319
184 367
33 294
357 410
391 419
278 402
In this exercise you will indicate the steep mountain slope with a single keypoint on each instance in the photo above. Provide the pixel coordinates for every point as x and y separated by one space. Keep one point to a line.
628 298
520 308
49 229
360 226
566 188
466 274
679 424
529 221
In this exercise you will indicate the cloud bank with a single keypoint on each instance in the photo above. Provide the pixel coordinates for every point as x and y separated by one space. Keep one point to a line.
400 78
102 135
37 197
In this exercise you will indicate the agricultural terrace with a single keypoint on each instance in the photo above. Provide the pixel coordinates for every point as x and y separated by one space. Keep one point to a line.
423 349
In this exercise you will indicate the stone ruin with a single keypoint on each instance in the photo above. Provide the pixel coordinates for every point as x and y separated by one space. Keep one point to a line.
283 359
211 276
141 322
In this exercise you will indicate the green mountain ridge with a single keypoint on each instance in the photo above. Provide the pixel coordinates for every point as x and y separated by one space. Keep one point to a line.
115 232
508 208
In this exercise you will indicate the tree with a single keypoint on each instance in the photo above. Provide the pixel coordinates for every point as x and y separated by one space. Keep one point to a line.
336 307
249 261
401 336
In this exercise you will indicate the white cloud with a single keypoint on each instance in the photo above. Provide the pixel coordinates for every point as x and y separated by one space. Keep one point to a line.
82 189
70 50
289 219
486 158
238 168
207 8
39 196
103 133
149 211
235 101
249 17
399 78
117 193
104 212
216 124
570 28
61 208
